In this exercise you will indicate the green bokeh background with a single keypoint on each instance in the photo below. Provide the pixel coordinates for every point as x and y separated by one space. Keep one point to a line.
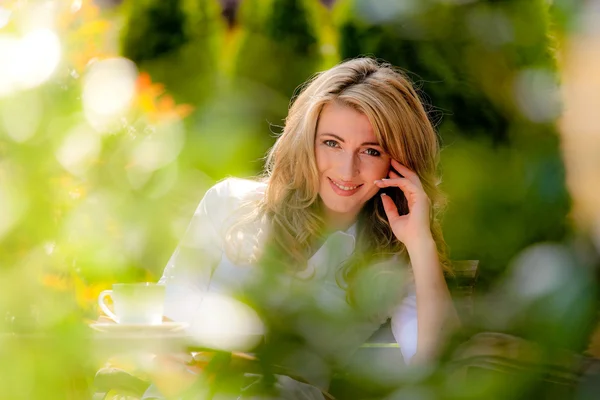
488 72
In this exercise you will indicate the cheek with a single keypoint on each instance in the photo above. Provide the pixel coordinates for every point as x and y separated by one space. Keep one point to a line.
376 169
322 159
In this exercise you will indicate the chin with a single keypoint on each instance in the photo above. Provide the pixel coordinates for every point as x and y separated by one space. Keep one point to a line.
338 208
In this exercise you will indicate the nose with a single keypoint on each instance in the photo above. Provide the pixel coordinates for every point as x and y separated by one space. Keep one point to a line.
349 166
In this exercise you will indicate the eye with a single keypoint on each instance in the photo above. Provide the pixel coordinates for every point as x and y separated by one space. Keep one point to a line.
330 143
373 152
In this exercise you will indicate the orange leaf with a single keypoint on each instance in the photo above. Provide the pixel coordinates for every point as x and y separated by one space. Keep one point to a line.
166 103
143 81
183 110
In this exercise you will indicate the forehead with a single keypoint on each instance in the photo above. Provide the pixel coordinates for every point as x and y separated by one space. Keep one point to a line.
346 122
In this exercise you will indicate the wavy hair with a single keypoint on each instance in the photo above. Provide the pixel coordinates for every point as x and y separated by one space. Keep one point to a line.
401 125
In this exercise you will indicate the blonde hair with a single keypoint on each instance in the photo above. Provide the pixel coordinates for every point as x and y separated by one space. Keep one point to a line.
291 202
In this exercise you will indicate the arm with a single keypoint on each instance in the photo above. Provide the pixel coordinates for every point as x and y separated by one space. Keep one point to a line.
198 266
188 272
433 302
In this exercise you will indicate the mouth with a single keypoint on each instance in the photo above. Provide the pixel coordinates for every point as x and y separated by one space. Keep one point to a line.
344 190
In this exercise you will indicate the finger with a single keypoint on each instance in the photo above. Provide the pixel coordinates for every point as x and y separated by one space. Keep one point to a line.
406 172
389 207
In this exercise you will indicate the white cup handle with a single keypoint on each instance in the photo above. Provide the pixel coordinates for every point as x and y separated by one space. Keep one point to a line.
104 294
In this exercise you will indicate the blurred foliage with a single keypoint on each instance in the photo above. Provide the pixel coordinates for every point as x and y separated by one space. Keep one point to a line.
153 29
86 204
281 38
159 35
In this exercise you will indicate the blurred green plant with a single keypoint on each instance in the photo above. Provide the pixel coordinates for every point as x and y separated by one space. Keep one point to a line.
153 29
281 39
63 177
189 34
99 177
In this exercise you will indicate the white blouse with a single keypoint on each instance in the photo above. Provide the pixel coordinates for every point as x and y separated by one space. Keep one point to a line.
200 265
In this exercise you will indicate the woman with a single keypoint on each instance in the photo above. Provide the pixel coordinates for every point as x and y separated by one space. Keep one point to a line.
353 175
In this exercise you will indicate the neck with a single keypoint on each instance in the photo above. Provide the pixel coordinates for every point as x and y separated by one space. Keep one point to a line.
338 222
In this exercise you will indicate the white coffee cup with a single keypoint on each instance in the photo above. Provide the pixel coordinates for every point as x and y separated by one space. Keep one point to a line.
135 303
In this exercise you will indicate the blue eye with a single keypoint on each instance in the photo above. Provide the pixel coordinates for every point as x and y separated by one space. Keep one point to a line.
373 152
330 143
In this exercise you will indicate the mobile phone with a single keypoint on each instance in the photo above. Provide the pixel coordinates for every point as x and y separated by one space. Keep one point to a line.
397 195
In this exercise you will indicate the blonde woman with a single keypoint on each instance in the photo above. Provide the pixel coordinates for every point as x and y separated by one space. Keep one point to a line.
350 186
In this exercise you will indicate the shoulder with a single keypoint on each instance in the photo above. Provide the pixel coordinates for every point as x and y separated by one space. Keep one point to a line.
230 193
231 199
237 189
231 203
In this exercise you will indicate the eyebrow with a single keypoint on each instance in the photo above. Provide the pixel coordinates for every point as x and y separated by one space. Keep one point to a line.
343 141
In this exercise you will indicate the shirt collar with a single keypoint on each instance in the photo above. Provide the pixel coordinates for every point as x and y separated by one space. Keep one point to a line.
352 230
336 250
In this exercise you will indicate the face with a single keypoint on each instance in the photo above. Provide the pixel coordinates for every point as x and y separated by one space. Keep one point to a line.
349 160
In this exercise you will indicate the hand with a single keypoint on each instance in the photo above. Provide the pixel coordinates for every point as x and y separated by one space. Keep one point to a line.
412 228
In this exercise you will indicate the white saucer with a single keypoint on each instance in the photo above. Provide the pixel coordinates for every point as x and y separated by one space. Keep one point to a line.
164 327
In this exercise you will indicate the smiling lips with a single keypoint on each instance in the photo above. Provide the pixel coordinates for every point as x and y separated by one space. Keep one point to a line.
343 190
